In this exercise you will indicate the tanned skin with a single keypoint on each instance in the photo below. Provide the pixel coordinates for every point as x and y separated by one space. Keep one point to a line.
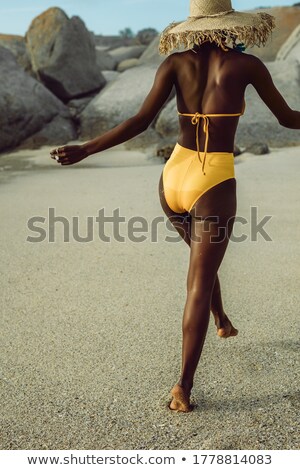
210 81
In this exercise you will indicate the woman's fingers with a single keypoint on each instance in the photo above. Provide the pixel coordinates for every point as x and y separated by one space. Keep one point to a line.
60 152
67 155
63 160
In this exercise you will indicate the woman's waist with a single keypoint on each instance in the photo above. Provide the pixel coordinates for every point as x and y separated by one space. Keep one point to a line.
224 142
179 148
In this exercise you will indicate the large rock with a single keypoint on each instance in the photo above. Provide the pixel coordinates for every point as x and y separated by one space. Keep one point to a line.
125 53
16 44
63 54
291 48
258 123
119 100
59 131
26 107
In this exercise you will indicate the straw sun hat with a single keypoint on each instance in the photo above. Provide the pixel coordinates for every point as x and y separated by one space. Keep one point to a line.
216 20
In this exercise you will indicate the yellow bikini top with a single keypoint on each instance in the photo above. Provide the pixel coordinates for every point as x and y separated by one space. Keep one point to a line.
196 122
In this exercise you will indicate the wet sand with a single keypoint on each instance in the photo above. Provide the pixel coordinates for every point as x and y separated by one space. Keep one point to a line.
91 332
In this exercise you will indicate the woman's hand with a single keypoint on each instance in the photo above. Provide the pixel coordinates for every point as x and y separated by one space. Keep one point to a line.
69 154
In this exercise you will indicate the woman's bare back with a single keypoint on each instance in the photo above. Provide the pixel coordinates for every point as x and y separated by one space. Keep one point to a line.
210 81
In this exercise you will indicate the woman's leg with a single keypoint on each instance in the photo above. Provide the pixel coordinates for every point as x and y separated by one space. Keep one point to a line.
182 223
212 222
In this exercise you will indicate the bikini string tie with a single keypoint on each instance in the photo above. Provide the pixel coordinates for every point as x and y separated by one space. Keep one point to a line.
196 119
196 122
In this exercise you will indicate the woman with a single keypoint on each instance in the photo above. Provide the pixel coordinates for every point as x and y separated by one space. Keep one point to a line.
197 186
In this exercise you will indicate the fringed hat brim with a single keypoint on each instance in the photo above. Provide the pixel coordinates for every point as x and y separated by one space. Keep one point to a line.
251 29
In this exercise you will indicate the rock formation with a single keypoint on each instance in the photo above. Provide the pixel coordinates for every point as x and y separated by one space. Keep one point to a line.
63 55
28 109
118 101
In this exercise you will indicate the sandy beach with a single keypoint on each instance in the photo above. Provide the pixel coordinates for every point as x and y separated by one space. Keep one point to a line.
91 331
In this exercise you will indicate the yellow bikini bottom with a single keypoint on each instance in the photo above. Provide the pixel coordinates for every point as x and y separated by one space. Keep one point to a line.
183 179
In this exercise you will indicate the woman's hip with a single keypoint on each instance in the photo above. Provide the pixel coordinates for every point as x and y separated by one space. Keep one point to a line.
186 178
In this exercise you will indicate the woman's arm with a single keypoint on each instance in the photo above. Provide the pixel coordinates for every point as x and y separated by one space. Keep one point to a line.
161 89
262 81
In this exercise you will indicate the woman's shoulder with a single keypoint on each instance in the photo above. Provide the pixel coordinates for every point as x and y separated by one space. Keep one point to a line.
176 59
243 60
251 58
178 55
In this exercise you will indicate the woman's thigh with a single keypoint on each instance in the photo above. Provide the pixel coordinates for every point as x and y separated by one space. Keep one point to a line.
209 240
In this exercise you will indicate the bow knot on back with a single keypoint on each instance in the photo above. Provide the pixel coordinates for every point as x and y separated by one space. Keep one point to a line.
196 118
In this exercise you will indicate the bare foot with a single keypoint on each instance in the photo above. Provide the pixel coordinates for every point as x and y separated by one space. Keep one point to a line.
180 400
225 329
